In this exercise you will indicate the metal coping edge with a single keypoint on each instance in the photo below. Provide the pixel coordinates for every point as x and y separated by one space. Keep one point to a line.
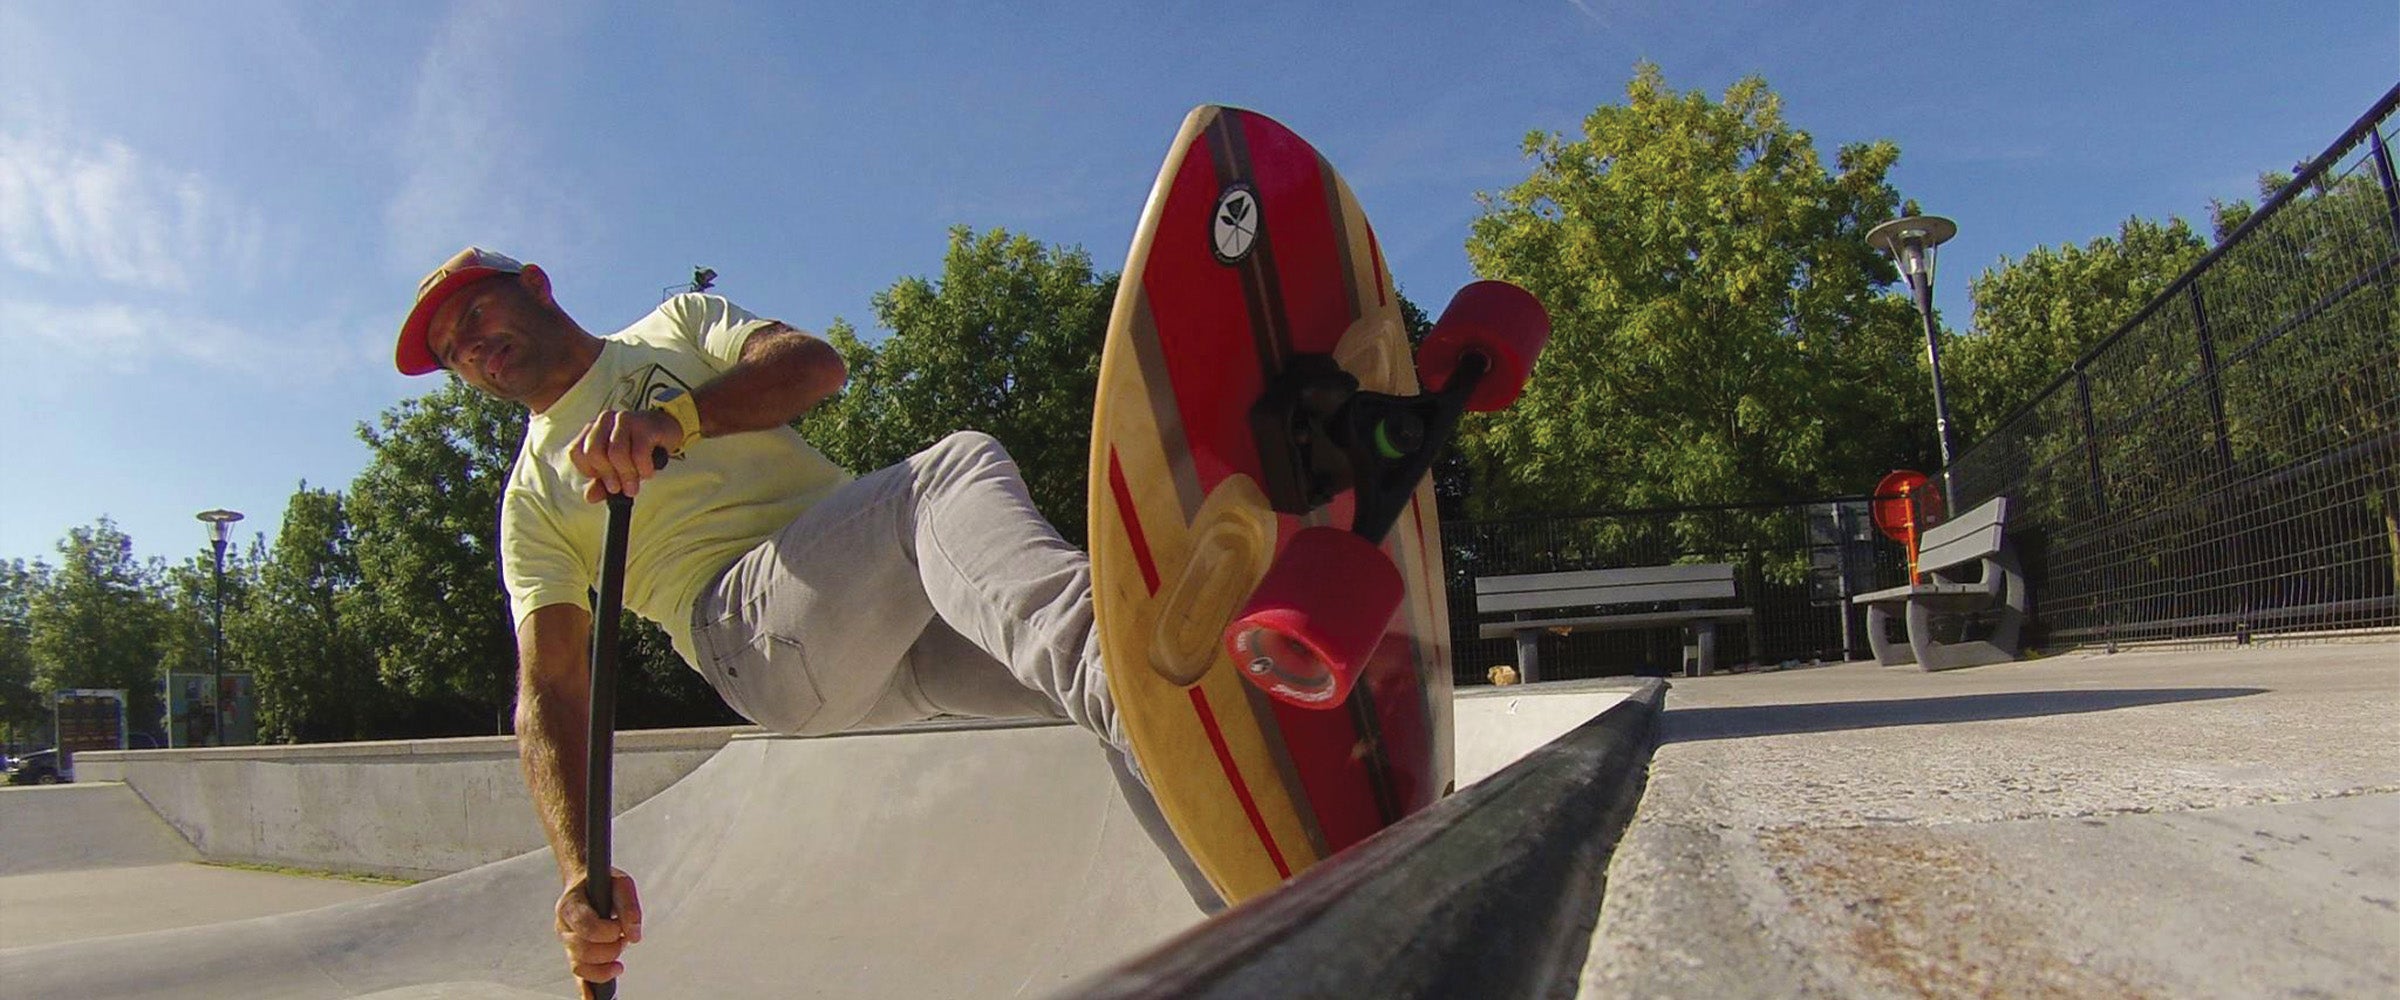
1493 891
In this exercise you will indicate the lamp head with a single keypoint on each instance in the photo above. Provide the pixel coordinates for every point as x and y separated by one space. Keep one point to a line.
220 524
1911 241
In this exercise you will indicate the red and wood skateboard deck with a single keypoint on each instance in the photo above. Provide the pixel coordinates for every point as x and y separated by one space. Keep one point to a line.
1254 277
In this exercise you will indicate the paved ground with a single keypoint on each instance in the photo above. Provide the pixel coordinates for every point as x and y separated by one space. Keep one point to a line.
91 860
2220 823
2149 824
51 907
969 863
53 828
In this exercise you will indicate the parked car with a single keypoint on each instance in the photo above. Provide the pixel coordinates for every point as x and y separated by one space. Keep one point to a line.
38 768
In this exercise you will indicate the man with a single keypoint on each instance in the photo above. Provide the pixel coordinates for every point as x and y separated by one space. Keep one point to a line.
812 601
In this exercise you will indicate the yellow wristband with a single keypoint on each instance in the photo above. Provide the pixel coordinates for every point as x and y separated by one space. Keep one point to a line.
687 415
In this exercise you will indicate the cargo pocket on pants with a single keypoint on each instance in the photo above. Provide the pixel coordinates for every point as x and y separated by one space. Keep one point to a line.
764 676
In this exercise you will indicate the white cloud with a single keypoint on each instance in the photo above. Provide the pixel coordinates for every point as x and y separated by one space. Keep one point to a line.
102 211
474 170
121 338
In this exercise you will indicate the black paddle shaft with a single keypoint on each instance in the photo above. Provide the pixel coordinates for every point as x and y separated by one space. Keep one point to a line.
599 883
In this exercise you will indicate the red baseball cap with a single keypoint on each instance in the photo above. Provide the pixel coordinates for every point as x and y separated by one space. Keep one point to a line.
467 267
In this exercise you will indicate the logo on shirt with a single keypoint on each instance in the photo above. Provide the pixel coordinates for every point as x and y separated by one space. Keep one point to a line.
645 388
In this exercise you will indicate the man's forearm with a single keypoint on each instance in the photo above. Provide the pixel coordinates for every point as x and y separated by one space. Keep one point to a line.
783 374
553 717
551 746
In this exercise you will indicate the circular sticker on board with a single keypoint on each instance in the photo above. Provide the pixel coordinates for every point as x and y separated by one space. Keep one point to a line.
1236 228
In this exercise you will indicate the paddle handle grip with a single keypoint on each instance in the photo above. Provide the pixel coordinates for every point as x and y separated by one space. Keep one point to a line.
599 881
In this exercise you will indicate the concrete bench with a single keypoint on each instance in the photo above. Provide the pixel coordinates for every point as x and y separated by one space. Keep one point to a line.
1966 566
1539 603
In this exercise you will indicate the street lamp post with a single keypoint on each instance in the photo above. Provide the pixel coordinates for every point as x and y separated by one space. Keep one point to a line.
1912 241
220 526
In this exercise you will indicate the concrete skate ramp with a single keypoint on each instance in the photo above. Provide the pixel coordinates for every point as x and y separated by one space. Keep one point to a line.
59 828
969 862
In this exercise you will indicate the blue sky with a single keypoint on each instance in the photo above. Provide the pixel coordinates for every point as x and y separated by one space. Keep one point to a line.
212 215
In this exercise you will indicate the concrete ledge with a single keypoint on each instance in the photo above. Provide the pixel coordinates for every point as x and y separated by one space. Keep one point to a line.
464 746
1491 892
425 808
405 808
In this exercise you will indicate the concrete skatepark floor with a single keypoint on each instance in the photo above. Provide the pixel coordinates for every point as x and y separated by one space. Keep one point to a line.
50 907
2213 822
955 862
967 863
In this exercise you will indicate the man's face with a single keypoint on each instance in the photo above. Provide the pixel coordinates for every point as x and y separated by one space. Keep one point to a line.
498 336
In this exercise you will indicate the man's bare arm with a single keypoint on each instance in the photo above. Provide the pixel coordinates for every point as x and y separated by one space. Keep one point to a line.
554 705
553 710
782 374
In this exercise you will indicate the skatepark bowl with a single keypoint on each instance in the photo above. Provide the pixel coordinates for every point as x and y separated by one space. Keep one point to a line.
961 860
2198 822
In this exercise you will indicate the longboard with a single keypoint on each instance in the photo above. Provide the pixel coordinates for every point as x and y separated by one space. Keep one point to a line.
1253 260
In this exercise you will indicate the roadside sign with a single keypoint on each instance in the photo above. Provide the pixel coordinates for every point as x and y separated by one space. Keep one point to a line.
1903 502
87 719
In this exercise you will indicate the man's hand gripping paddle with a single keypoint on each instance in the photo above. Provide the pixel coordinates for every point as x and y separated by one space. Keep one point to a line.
598 880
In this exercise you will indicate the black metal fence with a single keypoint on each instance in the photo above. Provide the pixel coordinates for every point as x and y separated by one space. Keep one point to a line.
1795 565
2227 464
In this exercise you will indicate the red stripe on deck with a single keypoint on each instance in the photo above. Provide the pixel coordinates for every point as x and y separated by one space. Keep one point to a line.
1133 522
1325 745
1204 330
1241 789
1304 233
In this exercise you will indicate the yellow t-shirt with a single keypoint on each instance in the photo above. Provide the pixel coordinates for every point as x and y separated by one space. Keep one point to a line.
722 498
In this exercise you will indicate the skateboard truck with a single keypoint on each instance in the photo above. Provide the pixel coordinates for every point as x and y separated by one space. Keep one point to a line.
1318 434
1326 602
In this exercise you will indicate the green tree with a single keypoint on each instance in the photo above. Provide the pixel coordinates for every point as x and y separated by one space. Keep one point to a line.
425 515
1721 329
100 622
855 427
656 689
316 679
1006 341
2306 325
2035 315
20 702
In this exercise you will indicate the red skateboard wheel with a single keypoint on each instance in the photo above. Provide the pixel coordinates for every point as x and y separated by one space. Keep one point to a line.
1316 618
1503 323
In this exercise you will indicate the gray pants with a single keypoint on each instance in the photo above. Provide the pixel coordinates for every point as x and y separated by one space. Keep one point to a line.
931 587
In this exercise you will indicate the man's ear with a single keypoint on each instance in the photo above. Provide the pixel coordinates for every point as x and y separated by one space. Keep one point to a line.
536 283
